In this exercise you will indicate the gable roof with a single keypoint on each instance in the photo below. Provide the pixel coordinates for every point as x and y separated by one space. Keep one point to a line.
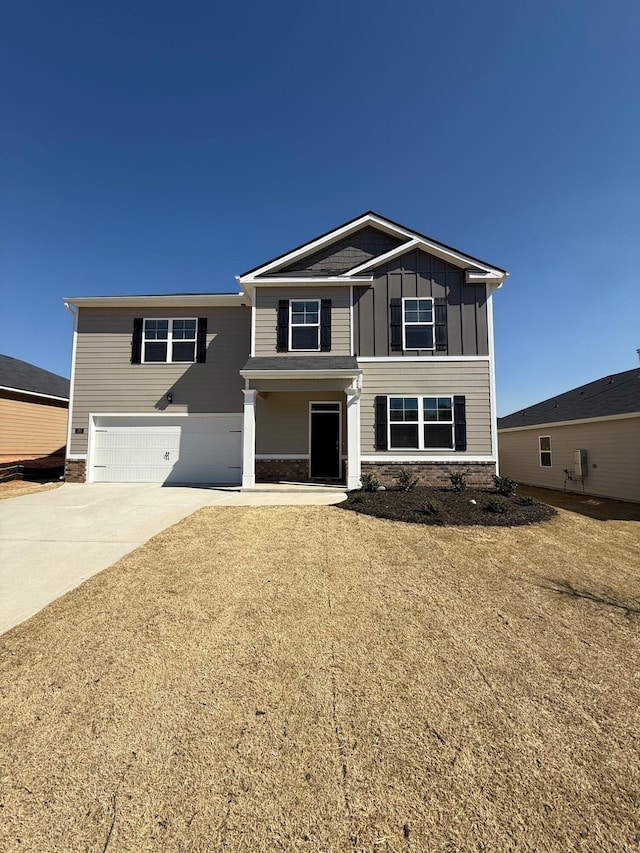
406 240
19 375
616 394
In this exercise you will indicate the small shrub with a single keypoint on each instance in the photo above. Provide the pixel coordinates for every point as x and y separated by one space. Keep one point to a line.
525 500
369 483
357 497
405 480
505 486
495 506
432 508
458 481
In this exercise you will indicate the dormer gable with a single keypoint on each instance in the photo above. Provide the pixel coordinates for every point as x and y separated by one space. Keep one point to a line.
351 253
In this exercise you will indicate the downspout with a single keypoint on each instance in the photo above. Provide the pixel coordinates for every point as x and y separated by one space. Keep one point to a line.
74 314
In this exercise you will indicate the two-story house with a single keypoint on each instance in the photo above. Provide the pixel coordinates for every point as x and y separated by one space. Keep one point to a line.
367 349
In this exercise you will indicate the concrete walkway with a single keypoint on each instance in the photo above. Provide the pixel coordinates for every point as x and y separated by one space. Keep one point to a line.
53 541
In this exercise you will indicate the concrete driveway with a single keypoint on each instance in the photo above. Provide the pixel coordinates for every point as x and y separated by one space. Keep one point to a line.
53 541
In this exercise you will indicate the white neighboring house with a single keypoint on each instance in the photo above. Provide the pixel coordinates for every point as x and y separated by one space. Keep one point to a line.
586 440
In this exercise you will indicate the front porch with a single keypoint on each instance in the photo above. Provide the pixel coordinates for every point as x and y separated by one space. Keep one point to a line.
301 421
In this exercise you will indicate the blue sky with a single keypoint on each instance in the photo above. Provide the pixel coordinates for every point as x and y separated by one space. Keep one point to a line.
151 147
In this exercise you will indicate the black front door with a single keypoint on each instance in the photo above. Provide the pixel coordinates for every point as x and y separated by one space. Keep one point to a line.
325 440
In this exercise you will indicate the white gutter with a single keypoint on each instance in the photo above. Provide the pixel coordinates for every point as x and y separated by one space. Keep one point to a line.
220 300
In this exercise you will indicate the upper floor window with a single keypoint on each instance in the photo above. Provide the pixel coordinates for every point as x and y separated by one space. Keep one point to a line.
304 327
417 323
545 450
168 340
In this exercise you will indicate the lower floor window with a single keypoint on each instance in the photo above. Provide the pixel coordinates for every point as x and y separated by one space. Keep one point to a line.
422 423
545 450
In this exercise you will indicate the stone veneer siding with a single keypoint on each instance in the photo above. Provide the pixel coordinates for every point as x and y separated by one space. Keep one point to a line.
75 471
274 470
477 474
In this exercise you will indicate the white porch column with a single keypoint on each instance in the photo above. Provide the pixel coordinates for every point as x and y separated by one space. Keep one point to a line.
249 439
353 438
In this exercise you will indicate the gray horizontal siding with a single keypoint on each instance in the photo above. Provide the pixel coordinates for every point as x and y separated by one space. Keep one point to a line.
266 301
106 381
282 421
613 457
420 274
469 378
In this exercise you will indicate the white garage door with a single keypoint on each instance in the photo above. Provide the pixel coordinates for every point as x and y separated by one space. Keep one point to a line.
192 449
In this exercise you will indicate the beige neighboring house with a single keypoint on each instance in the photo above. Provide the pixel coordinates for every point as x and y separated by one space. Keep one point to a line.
33 412
586 440
366 350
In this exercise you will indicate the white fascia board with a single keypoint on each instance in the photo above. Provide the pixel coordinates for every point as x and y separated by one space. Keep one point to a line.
382 259
423 358
456 258
482 277
33 394
300 374
549 425
307 249
331 281
451 255
180 300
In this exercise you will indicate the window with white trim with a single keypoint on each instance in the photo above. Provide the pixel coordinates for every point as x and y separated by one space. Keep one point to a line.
169 340
417 323
421 423
304 324
544 442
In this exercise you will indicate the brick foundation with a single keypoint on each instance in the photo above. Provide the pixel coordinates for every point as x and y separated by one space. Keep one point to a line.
477 474
75 471
275 470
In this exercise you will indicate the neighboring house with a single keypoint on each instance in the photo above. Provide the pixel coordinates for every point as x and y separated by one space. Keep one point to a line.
33 411
586 440
368 349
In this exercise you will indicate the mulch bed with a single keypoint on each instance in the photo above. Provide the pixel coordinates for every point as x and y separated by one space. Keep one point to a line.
425 505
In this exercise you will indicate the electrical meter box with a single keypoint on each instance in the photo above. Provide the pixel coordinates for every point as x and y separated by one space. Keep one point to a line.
580 463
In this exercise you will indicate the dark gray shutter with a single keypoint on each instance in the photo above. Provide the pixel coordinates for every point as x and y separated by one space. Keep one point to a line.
282 343
440 317
201 341
381 423
136 341
325 325
395 313
460 423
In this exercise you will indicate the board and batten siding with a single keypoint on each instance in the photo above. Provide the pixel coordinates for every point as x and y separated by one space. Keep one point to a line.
29 429
282 421
266 316
106 381
613 455
440 378
419 274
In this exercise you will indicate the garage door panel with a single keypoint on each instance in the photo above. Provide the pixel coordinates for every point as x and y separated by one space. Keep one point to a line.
199 450
130 474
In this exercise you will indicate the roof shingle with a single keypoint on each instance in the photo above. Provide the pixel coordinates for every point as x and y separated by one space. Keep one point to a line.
27 377
616 394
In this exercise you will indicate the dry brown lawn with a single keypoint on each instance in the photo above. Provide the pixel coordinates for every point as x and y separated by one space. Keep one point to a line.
283 679
17 488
